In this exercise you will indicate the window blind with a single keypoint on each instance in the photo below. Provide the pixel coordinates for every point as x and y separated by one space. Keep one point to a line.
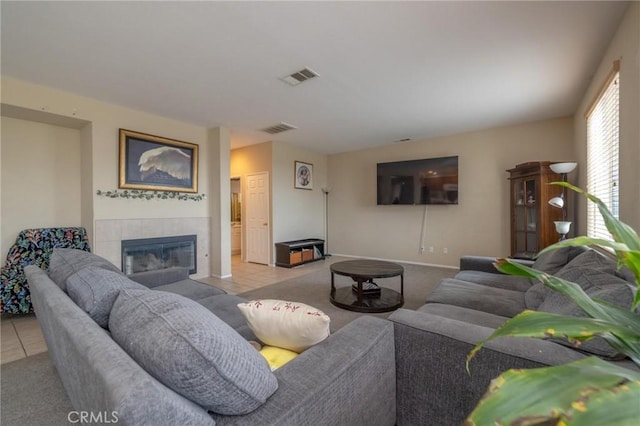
603 132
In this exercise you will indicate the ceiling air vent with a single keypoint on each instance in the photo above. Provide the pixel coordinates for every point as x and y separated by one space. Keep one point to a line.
279 128
300 76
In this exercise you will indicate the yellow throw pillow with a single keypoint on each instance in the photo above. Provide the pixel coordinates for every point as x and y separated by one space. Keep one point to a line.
289 325
277 357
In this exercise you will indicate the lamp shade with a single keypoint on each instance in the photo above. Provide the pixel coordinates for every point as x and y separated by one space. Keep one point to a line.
557 202
563 167
562 227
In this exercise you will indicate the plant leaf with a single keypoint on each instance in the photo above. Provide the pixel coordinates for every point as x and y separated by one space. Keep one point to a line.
575 329
612 407
560 392
620 231
569 289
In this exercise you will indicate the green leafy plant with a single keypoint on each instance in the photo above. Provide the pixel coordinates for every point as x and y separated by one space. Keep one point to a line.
589 391
150 195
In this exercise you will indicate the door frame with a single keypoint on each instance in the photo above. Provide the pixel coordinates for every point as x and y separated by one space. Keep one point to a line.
240 179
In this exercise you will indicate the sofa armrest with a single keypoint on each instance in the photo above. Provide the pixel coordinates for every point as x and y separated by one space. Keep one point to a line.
160 277
97 374
348 379
433 385
485 263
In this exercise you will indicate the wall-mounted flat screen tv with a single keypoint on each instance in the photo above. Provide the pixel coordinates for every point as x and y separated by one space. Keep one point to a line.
425 181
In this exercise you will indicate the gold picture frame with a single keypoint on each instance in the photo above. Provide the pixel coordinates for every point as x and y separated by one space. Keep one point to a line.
154 163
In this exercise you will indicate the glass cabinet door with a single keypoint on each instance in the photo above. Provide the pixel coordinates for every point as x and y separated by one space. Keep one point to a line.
525 212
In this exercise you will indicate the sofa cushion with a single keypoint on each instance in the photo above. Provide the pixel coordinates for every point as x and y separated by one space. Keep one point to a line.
596 283
163 276
471 316
190 289
95 290
572 271
626 274
498 301
289 325
225 307
192 351
552 261
509 282
590 259
534 297
65 262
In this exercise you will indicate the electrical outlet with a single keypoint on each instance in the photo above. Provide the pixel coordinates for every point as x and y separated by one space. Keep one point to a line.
431 249
421 249
445 250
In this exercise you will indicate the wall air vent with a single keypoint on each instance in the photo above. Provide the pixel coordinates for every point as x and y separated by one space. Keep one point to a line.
300 76
278 128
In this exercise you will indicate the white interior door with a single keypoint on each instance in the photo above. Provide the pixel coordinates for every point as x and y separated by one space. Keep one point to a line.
257 212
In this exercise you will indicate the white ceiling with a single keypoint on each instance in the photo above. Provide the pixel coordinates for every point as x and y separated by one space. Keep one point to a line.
388 70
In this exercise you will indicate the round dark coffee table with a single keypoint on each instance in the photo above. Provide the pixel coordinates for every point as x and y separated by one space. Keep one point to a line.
365 295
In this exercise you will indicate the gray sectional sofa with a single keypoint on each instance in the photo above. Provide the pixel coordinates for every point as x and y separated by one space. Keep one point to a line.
432 342
349 378
406 371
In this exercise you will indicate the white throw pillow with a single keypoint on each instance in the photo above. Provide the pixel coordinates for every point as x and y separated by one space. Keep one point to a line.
289 325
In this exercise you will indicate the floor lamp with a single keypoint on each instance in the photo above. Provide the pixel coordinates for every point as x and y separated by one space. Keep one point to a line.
325 191
562 226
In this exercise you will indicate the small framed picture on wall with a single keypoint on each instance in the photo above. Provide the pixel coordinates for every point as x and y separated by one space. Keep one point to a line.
303 178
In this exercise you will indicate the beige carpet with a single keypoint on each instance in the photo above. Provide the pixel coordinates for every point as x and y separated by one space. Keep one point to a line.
32 393
313 289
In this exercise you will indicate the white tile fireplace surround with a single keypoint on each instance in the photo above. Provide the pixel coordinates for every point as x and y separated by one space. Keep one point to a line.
110 232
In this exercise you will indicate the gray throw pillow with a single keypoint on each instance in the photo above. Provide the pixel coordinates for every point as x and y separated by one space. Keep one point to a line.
65 262
582 270
95 290
626 274
552 261
534 297
590 259
190 350
597 284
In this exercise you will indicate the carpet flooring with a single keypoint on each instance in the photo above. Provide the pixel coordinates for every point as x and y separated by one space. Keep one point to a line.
32 393
313 289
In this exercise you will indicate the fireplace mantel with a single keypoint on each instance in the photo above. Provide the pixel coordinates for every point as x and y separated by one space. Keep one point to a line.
109 233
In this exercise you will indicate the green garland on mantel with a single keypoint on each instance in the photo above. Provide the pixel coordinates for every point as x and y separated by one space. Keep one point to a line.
150 195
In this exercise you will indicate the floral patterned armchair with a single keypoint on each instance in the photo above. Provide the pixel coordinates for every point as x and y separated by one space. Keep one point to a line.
33 247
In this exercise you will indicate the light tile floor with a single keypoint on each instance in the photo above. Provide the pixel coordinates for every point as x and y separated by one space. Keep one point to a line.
20 335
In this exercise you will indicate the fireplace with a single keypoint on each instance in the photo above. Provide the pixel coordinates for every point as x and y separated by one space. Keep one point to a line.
148 254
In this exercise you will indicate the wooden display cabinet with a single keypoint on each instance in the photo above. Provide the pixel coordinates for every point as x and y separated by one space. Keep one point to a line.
532 227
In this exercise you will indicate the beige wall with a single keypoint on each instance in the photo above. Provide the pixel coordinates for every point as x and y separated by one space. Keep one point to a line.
626 47
40 177
479 224
295 213
102 135
97 151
